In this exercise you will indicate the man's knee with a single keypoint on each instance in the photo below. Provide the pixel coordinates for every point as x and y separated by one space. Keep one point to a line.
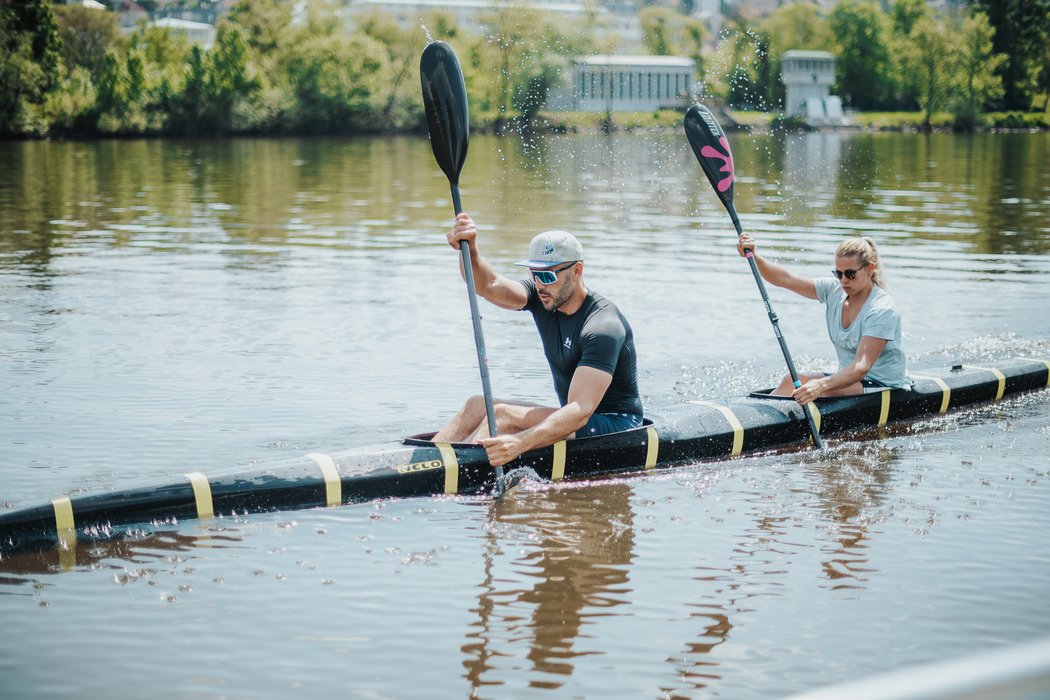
475 405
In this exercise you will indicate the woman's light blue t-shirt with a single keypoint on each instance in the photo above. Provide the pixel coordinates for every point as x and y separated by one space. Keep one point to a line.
877 318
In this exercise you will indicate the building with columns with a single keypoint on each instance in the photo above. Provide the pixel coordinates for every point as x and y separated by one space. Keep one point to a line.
626 84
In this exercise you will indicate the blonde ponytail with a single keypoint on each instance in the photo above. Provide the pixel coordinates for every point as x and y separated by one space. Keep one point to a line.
866 252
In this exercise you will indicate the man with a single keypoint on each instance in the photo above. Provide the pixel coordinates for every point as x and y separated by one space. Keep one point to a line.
588 343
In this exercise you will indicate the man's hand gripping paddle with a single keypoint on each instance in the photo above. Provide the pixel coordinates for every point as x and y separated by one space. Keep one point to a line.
711 148
445 102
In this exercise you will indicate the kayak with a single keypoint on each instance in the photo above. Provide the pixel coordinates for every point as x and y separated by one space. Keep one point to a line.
696 431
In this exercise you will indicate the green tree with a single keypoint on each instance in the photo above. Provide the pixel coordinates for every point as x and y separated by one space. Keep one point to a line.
440 24
265 22
86 35
511 37
800 25
1022 30
20 81
977 67
519 57
656 31
335 79
735 68
927 62
117 110
1043 83
397 94
669 33
865 63
221 88
31 67
905 13
72 107
140 84
545 65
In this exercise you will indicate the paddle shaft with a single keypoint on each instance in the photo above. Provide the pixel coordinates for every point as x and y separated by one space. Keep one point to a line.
775 320
479 336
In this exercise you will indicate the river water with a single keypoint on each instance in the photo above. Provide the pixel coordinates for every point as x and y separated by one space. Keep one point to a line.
174 306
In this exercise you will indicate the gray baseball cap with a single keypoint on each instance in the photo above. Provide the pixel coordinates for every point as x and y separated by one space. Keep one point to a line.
552 247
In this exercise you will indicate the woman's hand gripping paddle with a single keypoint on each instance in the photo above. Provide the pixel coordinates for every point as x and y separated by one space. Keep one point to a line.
711 148
445 101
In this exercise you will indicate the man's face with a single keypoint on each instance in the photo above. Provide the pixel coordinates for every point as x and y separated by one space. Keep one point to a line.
558 291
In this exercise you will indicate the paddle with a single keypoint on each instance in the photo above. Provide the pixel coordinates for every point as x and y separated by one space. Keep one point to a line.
445 102
711 148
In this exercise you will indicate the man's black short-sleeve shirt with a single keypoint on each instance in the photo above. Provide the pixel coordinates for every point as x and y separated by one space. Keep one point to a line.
597 335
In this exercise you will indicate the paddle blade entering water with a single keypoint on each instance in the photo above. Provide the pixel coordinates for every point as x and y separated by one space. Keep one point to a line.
445 102
711 148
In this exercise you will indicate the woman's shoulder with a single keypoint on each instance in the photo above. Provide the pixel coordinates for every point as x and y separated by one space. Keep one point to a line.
881 299
826 287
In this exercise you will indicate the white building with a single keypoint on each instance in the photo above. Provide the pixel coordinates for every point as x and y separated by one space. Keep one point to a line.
808 77
626 84
197 32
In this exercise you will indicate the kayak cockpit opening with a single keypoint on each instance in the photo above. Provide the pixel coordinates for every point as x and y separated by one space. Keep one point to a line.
427 439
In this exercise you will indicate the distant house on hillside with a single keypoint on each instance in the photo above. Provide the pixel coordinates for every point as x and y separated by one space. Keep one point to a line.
196 32
625 84
130 14
808 77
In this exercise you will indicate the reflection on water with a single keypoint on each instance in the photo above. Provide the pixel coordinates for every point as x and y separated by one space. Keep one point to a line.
131 557
575 547
855 486
579 549
174 306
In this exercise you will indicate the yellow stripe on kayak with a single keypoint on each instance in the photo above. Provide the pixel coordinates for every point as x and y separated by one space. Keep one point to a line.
946 392
333 485
451 462
64 523
202 494
558 466
1045 362
998 375
884 412
816 415
652 447
734 423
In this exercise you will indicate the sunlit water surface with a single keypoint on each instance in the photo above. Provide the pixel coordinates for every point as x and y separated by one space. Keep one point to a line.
168 306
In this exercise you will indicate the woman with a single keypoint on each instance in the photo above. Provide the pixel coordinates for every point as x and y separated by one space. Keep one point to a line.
864 326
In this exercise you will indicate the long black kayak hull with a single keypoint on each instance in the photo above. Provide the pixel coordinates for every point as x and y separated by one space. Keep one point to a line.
416 466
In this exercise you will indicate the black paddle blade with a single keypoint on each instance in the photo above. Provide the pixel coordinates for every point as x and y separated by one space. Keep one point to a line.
445 101
711 148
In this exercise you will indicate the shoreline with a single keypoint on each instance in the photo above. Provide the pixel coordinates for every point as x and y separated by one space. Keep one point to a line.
595 123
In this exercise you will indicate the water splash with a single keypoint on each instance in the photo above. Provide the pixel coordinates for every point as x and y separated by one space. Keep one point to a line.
515 476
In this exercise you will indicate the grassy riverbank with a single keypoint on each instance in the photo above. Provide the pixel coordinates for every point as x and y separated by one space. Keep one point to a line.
583 122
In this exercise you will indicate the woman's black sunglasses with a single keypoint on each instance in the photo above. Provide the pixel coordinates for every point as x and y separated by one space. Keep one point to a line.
848 274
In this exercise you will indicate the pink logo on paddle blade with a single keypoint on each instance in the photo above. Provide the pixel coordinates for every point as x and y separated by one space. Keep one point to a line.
727 159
